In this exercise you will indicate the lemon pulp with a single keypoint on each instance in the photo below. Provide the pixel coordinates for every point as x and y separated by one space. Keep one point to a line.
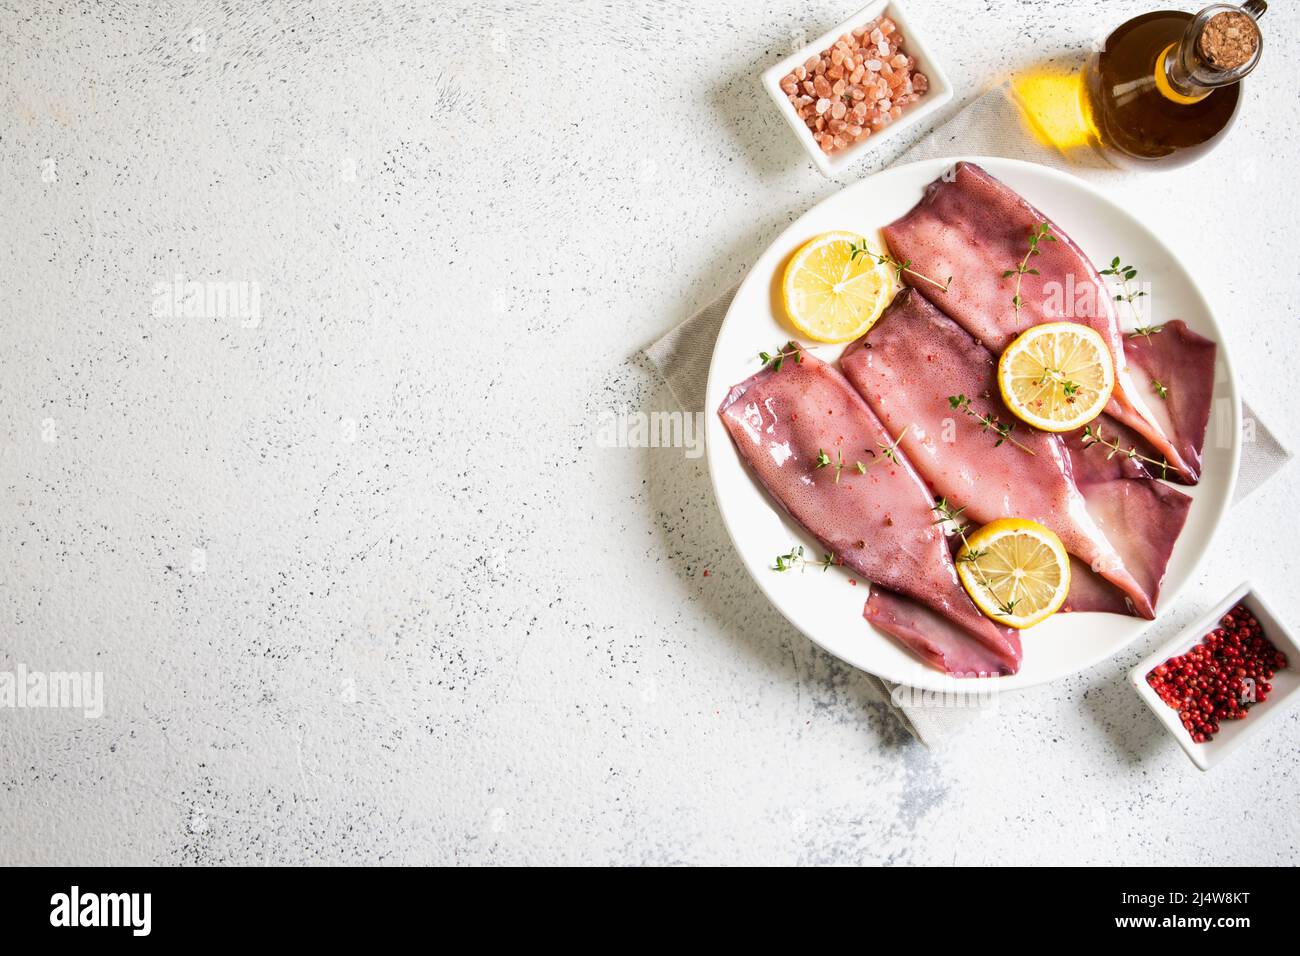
1016 571
835 288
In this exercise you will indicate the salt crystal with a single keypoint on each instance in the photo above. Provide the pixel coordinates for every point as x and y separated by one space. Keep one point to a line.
859 83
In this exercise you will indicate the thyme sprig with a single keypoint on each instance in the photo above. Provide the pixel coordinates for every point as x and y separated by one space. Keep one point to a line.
1146 331
784 562
789 350
863 249
1057 377
948 515
1161 388
960 403
890 449
1042 232
1126 274
824 461
1093 436
795 559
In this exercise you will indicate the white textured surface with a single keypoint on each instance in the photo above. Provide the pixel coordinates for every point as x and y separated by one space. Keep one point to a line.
468 634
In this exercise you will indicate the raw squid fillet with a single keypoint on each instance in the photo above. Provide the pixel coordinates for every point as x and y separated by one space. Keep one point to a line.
907 366
1183 362
974 228
880 523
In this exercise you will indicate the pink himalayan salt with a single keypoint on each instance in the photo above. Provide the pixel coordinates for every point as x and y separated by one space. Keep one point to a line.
861 83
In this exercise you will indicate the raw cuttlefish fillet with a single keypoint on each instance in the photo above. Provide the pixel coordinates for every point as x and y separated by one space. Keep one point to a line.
1180 364
1142 519
1089 591
907 367
880 524
974 228
1093 462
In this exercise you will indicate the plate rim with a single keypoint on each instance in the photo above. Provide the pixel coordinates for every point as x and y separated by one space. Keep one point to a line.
934 679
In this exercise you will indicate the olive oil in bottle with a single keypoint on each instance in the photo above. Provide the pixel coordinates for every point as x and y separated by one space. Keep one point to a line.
1167 86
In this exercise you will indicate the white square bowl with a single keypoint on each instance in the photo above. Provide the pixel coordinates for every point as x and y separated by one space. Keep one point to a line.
1232 733
939 93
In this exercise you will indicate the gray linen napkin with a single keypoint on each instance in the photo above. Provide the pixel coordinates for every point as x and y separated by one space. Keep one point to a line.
992 125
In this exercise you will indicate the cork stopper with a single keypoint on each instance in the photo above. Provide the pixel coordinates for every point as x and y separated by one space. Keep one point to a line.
1228 40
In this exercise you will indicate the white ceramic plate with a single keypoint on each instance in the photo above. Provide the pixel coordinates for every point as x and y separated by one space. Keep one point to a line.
823 605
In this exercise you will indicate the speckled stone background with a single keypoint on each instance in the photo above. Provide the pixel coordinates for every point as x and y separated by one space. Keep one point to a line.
362 584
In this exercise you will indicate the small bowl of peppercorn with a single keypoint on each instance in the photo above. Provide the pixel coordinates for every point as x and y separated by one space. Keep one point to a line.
1224 678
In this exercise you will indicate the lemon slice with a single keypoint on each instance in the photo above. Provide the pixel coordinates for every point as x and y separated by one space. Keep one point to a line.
829 294
1016 571
1057 377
